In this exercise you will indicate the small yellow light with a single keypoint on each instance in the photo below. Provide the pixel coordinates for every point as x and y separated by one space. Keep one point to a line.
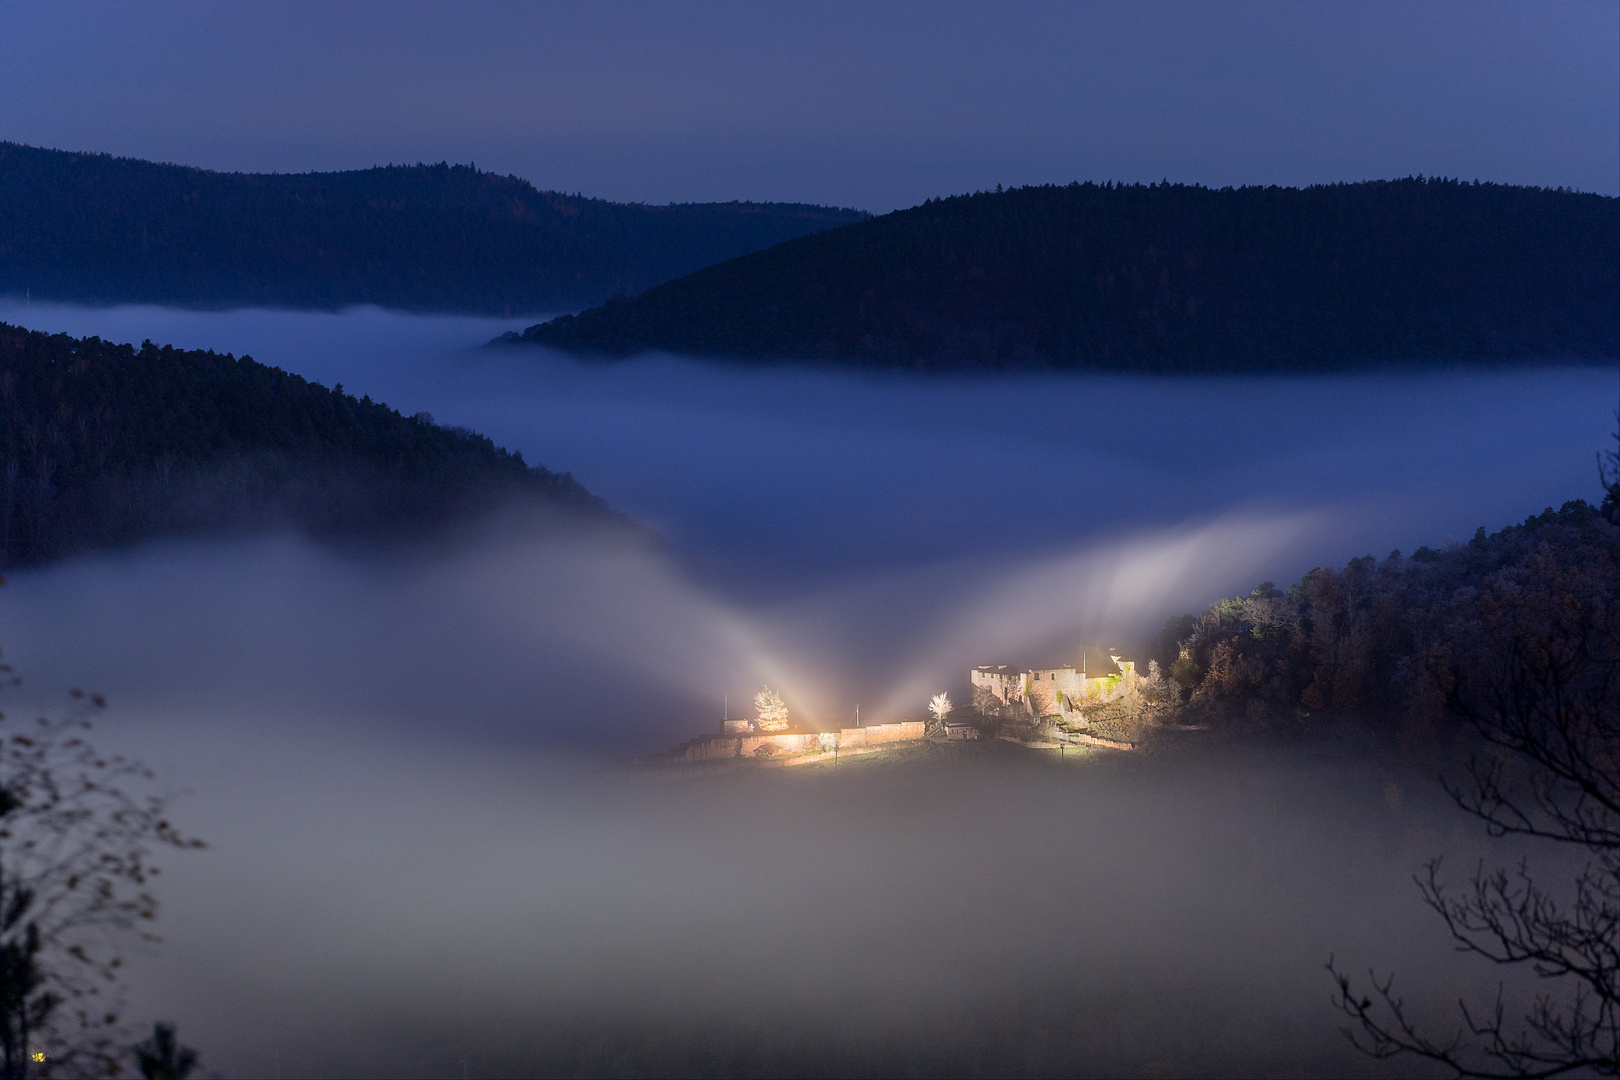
38 1055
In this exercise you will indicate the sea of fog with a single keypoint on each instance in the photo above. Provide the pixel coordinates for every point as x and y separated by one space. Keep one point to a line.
421 864
857 539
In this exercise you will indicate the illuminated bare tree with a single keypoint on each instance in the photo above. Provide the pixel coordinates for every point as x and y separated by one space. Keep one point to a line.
940 706
1158 691
1540 683
772 712
75 872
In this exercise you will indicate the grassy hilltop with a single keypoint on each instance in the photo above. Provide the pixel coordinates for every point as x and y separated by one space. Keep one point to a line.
101 229
1163 278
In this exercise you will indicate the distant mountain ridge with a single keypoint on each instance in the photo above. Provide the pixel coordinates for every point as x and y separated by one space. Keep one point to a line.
104 444
441 238
1162 278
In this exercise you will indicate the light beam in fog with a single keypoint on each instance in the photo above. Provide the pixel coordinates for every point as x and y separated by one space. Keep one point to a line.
591 636
773 482
1104 592
408 866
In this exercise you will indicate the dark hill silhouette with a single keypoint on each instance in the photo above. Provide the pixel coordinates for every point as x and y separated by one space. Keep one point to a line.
103 444
101 229
1164 277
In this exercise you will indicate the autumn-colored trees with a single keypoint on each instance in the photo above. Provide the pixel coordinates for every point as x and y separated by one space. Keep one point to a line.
1397 639
1516 637
1530 660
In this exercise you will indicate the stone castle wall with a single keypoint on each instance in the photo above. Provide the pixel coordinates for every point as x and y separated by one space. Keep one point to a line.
728 745
1002 681
873 734
1048 691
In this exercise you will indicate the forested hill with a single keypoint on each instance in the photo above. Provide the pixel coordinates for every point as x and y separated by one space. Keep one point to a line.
102 444
101 229
1164 277
1527 618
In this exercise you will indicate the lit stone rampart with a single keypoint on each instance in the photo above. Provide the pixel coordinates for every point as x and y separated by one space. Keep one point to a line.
873 734
783 743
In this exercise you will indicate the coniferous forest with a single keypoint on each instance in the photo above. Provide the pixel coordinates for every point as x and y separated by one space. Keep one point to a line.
106 444
93 228
1157 278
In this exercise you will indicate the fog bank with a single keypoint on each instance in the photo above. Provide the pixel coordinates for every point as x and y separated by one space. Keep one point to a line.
777 481
423 861
379 908
590 637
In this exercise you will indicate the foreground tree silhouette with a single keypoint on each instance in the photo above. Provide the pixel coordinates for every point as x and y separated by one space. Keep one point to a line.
74 878
1546 706
163 1058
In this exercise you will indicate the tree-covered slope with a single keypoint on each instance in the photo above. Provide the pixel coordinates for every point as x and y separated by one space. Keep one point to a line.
1421 640
95 228
103 444
1165 277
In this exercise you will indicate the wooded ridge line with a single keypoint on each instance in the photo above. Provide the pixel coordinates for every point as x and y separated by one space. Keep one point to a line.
104 444
94 228
1156 278
1415 643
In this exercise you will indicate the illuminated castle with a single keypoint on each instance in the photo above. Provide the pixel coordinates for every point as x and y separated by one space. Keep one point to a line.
1049 691
773 734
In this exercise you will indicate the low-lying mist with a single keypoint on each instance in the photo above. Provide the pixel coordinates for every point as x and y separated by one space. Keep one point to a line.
588 636
427 859
405 906
776 481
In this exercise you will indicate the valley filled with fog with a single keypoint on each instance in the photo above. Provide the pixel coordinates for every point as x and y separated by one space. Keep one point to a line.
422 850
846 535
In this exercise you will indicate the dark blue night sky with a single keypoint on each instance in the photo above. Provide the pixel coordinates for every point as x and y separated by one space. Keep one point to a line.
874 106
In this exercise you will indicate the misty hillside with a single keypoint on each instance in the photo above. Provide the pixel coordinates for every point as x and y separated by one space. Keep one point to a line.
1165 277
101 229
1529 614
104 444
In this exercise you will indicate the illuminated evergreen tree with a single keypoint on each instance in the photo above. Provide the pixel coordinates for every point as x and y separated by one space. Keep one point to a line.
773 713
